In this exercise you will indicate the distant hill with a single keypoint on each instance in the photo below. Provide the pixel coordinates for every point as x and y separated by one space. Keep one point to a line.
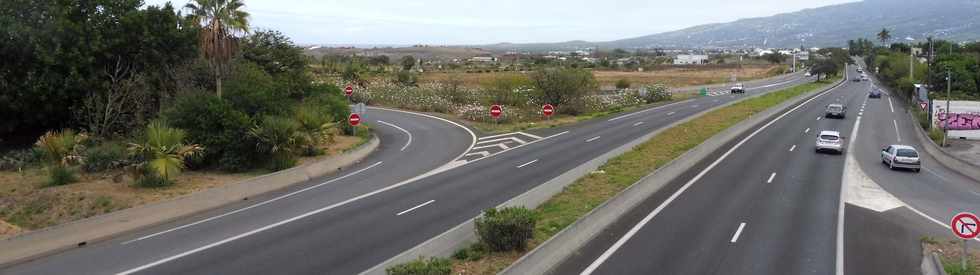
957 20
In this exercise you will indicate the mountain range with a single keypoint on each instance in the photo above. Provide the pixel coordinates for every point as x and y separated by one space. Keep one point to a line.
957 20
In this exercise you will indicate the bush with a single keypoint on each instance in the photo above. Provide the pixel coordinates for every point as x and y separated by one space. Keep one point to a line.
473 253
431 266
61 175
253 91
564 88
506 229
223 131
148 178
406 78
656 93
278 138
19 159
105 156
622 84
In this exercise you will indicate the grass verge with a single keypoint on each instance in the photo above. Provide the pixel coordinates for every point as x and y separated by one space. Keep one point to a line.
951 253
622 171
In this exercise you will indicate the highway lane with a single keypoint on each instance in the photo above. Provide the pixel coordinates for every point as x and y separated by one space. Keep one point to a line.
428 144
768 206
365 230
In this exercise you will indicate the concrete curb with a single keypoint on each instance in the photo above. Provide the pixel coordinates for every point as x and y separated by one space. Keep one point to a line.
79 233
931 264
445 244
953 163
554 251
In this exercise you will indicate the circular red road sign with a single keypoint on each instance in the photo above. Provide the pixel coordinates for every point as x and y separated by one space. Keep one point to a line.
965 225
349 90
548 110
354 119
496 111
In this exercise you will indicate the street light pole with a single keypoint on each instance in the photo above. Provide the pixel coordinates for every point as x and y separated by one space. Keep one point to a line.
911 59
949 82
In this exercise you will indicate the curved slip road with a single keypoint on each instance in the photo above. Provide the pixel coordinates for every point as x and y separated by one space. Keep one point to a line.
410 145
347 230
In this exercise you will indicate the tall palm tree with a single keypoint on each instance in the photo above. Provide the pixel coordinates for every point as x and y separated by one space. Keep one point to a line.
221 21
884 36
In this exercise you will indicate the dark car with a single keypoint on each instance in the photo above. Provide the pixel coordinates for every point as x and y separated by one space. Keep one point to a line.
874 93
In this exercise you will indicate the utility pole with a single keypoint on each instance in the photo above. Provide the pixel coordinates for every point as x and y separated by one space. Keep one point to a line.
949 82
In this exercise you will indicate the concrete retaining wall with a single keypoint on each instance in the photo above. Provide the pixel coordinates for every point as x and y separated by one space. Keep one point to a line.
444 245
965 168
65 236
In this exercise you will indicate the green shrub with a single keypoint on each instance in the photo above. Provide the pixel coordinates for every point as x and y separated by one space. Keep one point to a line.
278 138
61 175
105 156
148 178
330 98
253 91
622 84
656 93
473 253
217 126
506 229
431 266
19 159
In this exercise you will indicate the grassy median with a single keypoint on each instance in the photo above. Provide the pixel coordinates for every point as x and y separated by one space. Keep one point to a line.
622 171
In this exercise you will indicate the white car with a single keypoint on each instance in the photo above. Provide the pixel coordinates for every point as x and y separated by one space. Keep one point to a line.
738 89
830 141
901 156
807 74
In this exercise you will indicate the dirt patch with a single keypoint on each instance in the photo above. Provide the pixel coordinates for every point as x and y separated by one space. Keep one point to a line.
27 204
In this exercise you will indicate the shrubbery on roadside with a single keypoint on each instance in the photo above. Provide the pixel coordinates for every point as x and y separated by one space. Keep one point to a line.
431 266
506 229
223 131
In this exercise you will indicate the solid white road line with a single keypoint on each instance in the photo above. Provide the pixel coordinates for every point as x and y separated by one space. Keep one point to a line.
792 148
502 146
890 105
472 134
671 113
495 136
738 232
251 206
480 153
840 206
638 124
416 207
897 133
771 177
400 129
819 117
530 135
592 139
514 139
636 228
526 164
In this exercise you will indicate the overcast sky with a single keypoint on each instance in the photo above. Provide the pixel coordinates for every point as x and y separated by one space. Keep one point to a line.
441 22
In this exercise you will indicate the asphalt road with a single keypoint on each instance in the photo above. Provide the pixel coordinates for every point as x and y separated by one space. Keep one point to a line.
361 220
774 206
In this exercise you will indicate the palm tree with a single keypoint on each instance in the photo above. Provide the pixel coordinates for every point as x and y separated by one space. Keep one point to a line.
884 36
163 150
221 21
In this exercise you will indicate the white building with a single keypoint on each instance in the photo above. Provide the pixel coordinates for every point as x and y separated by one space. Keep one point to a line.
691 59
483 59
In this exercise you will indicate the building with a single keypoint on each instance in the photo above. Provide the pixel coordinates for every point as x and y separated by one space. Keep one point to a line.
691 59
483 59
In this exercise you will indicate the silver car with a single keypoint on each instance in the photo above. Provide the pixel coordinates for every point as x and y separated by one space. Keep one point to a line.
901 156
836 110
830 141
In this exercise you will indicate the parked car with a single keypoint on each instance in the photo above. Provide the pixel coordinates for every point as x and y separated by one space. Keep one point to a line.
874 93
738 89
830 141
901 156
836 110
807 74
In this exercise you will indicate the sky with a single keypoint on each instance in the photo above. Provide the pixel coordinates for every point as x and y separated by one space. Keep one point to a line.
476 22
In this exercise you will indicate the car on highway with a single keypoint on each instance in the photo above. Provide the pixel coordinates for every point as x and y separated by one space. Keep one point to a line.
830 141
859 70
874 93
901 156
808 74
864 77
738 89
835 110
856 79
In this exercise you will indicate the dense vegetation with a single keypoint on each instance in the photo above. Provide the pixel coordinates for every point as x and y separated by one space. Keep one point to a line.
962 61
121 73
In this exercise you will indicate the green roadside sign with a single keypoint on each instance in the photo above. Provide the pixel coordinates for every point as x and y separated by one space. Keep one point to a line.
704 92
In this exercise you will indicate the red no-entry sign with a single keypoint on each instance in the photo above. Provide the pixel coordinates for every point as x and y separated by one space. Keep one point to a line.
349 90
354 119
548 110
965 225
496 111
